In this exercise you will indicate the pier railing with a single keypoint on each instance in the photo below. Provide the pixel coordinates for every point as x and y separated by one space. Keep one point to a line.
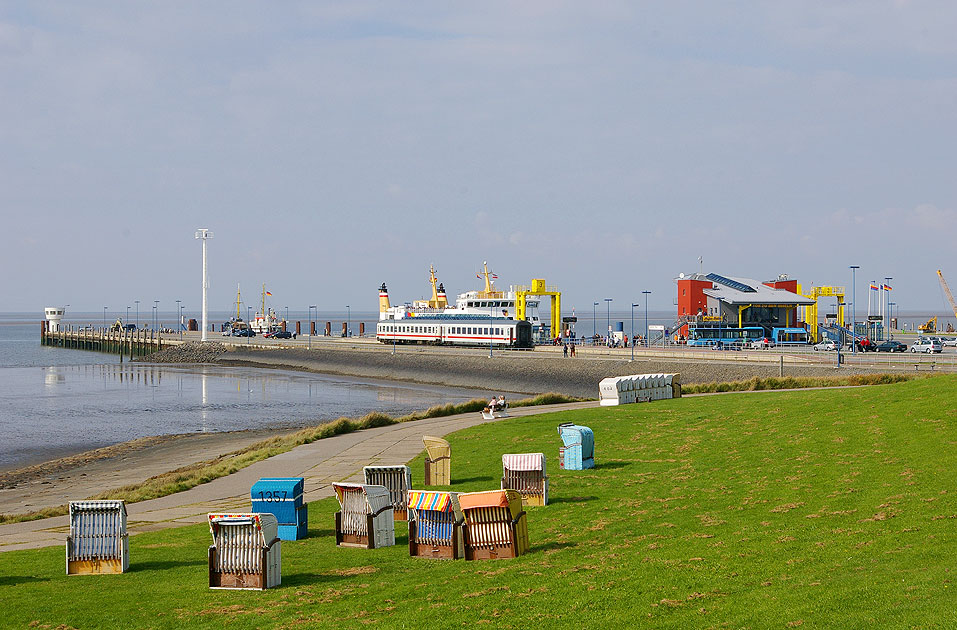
131 343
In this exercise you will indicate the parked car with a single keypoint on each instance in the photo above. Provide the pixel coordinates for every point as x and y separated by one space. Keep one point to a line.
926 344
282 334
949 341
761 344
244 332
129 326
826 344
865 345
891 346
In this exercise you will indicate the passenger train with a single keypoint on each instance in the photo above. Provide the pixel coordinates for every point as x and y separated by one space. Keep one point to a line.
457 330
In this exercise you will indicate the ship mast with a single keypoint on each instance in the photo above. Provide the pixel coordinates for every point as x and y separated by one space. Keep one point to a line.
238 302
264 301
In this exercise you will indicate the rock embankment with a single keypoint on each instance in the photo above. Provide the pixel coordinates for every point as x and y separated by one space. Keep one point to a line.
192 352
510 372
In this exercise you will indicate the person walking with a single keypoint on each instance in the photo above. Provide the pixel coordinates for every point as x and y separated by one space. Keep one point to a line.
573 350
565 350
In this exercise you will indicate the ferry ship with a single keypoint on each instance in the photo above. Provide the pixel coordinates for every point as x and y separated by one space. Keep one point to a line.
264 321
487 302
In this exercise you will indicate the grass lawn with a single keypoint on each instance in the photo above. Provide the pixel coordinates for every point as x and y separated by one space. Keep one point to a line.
814 508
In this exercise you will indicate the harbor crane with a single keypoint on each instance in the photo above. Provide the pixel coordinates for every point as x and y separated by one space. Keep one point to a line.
950 296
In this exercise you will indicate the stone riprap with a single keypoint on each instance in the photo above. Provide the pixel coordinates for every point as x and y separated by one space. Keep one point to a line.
192 352
514 372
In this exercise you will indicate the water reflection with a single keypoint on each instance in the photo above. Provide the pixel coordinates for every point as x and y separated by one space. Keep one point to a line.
88 405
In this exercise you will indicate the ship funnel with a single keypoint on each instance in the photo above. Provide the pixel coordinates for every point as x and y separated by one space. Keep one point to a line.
441 299
384 299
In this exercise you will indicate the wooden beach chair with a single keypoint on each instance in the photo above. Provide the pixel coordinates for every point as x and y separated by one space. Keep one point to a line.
366 516
246 552
579 450
97 542
438 462
495 524
435 522
525 473
398 480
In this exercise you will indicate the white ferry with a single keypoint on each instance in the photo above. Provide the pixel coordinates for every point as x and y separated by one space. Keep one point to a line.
488 302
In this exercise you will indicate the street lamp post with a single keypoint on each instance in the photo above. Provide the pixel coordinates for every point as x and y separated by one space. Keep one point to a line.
248 319
156 315
633 331
204 234
594 321
608 316
287 313
890 306
179 315
348 319
104 318
491 315
854 269
137 314
312 306
646 294
127 320
886 297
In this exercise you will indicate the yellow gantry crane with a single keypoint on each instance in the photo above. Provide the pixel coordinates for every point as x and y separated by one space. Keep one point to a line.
539 288
810 312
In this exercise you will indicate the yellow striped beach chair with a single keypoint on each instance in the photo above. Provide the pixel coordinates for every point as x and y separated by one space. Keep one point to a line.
495 524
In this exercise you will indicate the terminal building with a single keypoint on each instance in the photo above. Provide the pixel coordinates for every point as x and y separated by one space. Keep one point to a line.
717 310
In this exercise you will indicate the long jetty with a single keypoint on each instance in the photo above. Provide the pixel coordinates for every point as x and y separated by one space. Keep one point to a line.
131 343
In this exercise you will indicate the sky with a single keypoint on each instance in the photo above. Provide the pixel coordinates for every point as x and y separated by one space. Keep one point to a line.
605 147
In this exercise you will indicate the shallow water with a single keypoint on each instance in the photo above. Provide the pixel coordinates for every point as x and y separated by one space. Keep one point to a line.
55 402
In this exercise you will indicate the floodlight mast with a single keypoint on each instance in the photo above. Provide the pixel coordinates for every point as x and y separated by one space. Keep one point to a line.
204 234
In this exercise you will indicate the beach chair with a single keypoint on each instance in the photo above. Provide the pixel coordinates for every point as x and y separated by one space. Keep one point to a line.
366 516
579 450
246 552
438 462
495 524
525 473
435 522
398 480
282 497
97 542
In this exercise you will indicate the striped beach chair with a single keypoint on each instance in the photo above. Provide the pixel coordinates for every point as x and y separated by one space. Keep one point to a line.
398 479
525 473
366 516
435 521
579 450
246 552
495 524
438 462
97 542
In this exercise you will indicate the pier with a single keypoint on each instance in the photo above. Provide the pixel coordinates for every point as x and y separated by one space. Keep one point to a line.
126 343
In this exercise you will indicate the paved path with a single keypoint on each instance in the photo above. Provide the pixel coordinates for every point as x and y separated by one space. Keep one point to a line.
339 458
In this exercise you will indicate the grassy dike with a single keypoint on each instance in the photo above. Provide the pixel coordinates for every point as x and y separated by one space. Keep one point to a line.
813 509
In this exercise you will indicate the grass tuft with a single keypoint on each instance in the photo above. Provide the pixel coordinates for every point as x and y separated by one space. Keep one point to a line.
790 382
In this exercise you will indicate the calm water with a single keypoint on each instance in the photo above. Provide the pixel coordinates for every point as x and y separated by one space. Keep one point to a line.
54 401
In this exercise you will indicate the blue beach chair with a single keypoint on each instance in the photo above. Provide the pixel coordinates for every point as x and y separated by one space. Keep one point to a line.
579 450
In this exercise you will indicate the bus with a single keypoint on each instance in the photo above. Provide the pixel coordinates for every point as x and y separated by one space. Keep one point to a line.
721 336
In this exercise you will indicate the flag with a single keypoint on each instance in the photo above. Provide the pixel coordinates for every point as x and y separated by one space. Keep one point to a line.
494 276
268 293
888 287
873 287
479 276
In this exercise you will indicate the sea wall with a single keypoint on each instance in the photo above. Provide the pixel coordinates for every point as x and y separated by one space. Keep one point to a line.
516 372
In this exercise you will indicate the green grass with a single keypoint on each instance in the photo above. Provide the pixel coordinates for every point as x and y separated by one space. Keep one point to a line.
812 509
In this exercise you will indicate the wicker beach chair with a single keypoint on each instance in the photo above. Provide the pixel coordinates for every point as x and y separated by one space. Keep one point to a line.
398 479
495 524
246 552
579 450
438 463
525 473
97 542
435 522
366 516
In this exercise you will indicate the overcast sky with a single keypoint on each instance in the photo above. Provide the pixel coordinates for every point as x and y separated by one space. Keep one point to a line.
604 146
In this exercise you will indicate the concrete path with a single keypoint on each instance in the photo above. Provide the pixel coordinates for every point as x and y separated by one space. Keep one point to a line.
321 463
